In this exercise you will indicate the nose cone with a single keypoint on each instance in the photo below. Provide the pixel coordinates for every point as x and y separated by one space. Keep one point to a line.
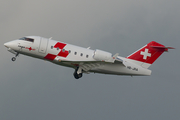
12 45
8 44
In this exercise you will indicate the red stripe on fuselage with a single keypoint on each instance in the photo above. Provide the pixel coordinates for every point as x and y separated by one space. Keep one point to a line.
60 45
62 53
50 56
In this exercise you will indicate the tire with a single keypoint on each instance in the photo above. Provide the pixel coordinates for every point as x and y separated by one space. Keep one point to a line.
77 76
13 59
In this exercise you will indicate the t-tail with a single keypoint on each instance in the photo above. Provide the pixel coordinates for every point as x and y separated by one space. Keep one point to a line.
148 54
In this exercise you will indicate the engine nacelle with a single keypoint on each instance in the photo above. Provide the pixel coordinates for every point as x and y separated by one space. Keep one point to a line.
100 55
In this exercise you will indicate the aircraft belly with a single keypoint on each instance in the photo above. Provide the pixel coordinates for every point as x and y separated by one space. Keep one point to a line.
110 69
119 69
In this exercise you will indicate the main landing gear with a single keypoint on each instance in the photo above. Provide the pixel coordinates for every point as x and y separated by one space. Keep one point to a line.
14 58
78 73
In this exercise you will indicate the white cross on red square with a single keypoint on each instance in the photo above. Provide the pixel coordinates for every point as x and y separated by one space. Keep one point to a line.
145 54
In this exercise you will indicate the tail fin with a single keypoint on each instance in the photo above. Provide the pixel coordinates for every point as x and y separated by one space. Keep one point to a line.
148 54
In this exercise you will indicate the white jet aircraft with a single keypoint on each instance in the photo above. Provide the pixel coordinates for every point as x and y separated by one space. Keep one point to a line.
85 60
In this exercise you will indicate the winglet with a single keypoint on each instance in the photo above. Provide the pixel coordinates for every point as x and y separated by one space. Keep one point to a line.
113 58
89 47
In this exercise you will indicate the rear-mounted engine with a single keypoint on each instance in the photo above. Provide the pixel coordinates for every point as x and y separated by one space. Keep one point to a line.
100 55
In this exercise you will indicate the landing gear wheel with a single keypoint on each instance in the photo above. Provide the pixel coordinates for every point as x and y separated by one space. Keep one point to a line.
76 75
13 59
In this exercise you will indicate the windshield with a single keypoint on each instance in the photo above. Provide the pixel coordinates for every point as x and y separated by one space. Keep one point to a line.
27 39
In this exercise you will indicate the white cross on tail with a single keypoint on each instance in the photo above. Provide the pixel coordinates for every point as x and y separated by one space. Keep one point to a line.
145 54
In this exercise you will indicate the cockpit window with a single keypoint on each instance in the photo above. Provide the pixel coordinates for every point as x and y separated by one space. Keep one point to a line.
27 39
22 38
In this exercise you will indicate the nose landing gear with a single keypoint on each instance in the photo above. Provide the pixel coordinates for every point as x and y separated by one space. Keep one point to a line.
14 58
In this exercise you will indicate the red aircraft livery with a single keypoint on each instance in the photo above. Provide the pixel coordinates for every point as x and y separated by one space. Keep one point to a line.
62 53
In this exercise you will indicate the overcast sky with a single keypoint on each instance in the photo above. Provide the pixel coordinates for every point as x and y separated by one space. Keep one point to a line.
32 89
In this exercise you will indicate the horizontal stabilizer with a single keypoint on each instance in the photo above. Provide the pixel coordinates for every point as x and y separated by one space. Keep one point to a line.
161 47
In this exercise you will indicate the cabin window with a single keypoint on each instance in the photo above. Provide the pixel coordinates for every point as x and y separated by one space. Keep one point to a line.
57 48
75 53
51 47
81 54
63 50
87 56
69 51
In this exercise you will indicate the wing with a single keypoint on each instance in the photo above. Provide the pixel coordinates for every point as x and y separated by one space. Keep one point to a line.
85 65
89 65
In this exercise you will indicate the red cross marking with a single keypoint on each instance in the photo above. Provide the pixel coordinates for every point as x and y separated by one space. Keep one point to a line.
30 48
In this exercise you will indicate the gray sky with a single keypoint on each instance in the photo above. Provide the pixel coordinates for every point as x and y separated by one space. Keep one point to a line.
32 89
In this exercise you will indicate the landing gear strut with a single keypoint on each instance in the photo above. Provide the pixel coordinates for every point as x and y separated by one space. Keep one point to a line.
78 73
14 58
